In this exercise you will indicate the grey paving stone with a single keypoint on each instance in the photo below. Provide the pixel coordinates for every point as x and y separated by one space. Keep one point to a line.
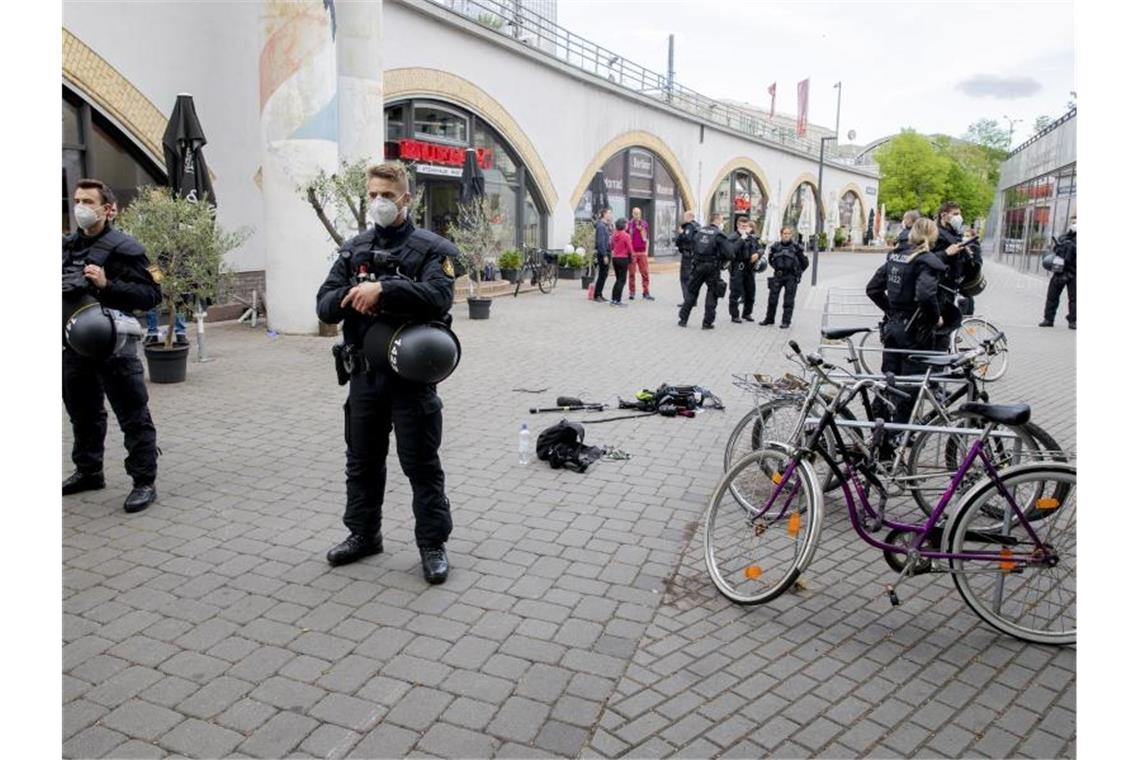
469 713
352 713
141 720
96 741
139 750
196 738
385 741
194 666
444 740
578 711
543 683
123 686
79 714
215 697
478 685
519 720
260 664
279 735
330 742
419 708
287 694
246 715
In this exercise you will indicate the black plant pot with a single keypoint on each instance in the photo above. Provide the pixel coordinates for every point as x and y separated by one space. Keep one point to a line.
569 273
479 308
586 280
511 275
167 365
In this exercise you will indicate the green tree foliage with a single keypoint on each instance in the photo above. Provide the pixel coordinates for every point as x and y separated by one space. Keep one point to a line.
989 133
474 236
912 174
973 176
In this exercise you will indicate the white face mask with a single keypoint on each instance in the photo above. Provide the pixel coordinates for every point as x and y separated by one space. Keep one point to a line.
1073 227
956 223
383 212
86 217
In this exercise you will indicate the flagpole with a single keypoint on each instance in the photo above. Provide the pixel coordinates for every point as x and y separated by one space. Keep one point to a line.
838 101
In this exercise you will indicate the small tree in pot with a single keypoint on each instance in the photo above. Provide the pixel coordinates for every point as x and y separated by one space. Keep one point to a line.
476 240
188 247
584 241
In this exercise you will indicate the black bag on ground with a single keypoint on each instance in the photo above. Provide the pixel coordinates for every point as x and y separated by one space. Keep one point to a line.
561 445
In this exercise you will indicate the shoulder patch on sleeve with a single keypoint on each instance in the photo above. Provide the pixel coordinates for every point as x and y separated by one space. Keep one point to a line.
448 269
155 273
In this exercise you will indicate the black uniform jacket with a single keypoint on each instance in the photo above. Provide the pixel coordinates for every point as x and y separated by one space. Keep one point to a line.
130 284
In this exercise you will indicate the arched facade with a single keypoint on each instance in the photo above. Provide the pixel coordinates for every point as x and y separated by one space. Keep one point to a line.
742 189
853 209
799 209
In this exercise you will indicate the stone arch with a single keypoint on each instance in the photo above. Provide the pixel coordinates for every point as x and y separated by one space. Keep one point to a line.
113 94
441 85
740 162
635 139
795 185
852 187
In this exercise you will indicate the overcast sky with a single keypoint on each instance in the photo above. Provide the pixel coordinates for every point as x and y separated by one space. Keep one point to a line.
935 66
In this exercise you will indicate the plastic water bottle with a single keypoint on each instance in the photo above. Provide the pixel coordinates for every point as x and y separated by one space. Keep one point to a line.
524 444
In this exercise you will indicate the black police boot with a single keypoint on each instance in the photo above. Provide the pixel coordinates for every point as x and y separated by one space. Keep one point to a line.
1072 325
353 548
707 327
765 322
748 318
434 562
737 320
1045 323
140 498
79 482
784 325
682 323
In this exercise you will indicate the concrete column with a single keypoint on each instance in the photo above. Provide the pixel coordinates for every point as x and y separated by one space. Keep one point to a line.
360 94
298 138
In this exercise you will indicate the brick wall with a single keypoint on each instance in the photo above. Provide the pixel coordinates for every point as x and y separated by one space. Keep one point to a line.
242 285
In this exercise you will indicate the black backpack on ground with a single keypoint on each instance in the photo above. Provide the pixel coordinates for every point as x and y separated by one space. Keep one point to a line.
561 445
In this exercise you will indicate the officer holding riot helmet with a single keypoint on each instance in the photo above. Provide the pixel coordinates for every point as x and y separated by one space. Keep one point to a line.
710 251
742 281
389 276
788 264
106 272
684 242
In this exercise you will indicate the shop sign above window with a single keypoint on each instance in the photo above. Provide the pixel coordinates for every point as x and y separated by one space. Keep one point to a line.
640 163
418 150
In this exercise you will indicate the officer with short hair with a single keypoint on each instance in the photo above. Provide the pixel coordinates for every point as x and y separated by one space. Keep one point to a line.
684 242
111 267
742 279
710 251
385 277
788 263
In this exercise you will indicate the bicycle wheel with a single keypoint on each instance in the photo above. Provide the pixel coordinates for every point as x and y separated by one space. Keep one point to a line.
935 456
547 278
762 526
870 352
970 334
1020 589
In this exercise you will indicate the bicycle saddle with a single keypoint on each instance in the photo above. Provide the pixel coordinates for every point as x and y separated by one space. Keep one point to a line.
941 360
1006 414
838 333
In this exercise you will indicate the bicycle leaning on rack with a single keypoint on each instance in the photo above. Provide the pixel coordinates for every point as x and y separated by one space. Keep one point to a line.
539 268
1010 545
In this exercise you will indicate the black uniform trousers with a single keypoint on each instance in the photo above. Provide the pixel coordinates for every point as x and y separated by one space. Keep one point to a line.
377 403
621 268
120 379
1057 283
707 274
603 272
896 340
742 285
787 283
686 272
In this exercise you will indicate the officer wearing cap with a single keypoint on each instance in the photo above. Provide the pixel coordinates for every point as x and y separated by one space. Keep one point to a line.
384 278
106 269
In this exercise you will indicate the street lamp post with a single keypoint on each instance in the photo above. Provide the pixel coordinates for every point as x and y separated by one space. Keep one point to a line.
819 212
1011 123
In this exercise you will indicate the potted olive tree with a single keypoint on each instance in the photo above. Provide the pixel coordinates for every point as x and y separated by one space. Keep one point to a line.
477 242
584 241
188 247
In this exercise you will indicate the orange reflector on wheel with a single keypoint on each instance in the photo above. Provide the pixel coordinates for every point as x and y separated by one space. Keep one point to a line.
752 572
983 370
1048 502
971 330
1007 563
794 523
777 477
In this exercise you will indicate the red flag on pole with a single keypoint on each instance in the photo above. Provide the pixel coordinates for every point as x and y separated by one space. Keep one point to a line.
772 92
802 107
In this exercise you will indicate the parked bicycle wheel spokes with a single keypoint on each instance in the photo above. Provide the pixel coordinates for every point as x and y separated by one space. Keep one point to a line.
761 526
1019 573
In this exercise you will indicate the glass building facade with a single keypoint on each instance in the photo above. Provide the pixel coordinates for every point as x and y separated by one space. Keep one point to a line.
740 194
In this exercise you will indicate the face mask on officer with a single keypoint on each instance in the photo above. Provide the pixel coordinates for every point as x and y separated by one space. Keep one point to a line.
956 223
86 216
383 211
1073 227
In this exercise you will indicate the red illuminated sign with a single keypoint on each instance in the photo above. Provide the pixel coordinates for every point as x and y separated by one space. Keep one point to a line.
433 153
742 203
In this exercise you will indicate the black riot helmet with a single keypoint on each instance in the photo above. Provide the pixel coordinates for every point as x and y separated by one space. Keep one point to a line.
420 353
96 332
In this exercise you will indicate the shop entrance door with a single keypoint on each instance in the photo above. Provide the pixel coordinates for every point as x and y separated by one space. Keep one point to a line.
646 206
441 206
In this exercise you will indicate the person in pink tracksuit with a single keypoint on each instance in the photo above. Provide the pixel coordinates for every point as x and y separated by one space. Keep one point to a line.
639 232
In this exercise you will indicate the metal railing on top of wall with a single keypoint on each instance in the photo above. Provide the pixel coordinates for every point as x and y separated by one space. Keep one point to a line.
527 27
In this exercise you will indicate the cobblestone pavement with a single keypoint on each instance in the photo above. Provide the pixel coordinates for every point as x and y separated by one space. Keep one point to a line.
577 619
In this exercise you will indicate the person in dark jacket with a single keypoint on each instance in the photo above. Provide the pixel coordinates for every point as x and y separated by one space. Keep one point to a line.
390 275
950 250
710 252
788 262
1066 251
909 218
742 278
684 243
118 275
603 251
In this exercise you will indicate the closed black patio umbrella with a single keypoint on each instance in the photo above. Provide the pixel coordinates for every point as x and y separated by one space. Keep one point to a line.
598 191
472 185
182 144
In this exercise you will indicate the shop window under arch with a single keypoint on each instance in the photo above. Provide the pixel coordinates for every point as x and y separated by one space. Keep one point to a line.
740 193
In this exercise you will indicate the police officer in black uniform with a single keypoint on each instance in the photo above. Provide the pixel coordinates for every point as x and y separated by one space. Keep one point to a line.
710 252
684 242
958 260
1066 253
110 266
387 276
788 265
742 281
